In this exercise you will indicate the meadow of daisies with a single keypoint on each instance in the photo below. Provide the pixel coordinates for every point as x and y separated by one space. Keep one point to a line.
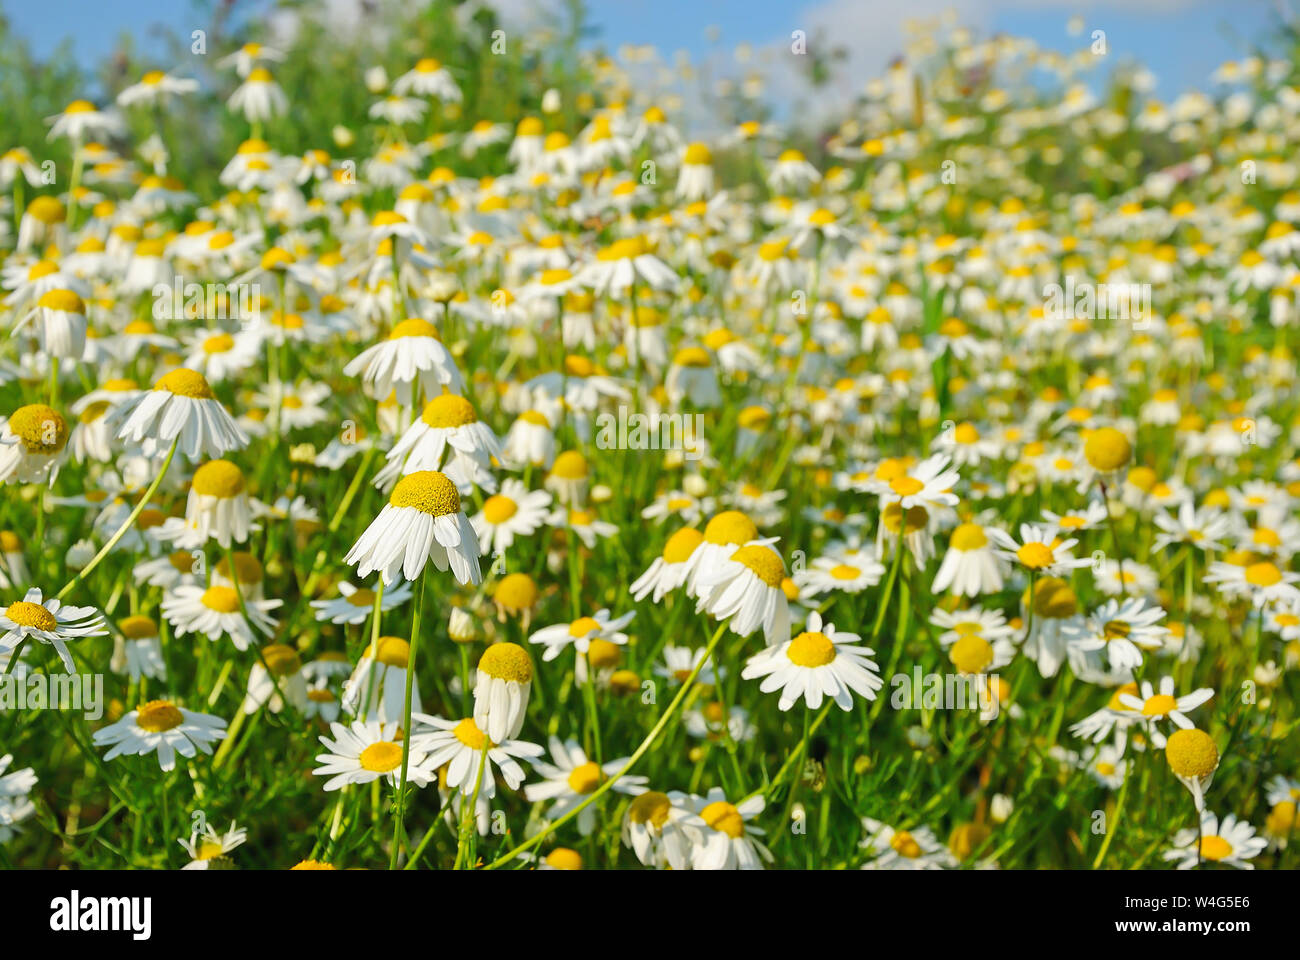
432 446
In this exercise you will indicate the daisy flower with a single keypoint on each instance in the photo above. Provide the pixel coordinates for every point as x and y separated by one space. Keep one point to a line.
891 849
422 521
1164 706
162 727
181 407
850 571
48 621
1262 582
448 425
413 354
354 604
277 675
1231 842
818 662
217 508
456 746
659 832
1039 551
971 566
15 797
746 590
728 840
209 845
571 777
671 568
680 662
1123 628
215 613
976 640
363 752
581 633
584 523
377 685
33 443
502 684
137 651
926 484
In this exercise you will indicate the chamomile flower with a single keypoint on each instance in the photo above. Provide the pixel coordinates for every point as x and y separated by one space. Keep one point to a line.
354 605
1263 582
15 797
363 752
1161 707
1040 550
181 408
137 649
581 633
728 840
1124 629
33 443
818 662
1231 842
659 831
570 777
746 590
413 354
972 565
503 682
422 521
216 612
847 570
669 570
893 849
49 621
209 845
377 686
164 728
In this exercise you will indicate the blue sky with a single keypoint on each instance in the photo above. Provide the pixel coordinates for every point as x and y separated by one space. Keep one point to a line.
1180 40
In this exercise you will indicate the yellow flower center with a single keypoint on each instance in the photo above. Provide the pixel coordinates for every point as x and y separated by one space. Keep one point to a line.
1262 574
218 478
428 491
448 410
585 778
725 818
516 592
414 327
682 544
158 715
41 429
651 807
583 626
362 598
185 383
905 845
1035 555
1191 753
730 527
971 654
381 757
393 652
468 733
282 659
65 301
1107 449
137 627
906 486
1215 848
27 614
313 865
811 649
569 465
563 858
968 536
220 599
763 561
507 661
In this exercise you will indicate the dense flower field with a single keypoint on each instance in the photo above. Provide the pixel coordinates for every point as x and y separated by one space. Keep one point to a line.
436 447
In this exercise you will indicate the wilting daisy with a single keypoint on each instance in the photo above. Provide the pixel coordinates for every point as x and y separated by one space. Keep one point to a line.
259 97
181 407
818 662
215 613
209 845
162 727
354 604
422 521
571 777
1231 842
457 746
377 685
729 840
363 752
448 429
217 508
137 651
892 849
275 677
48 621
